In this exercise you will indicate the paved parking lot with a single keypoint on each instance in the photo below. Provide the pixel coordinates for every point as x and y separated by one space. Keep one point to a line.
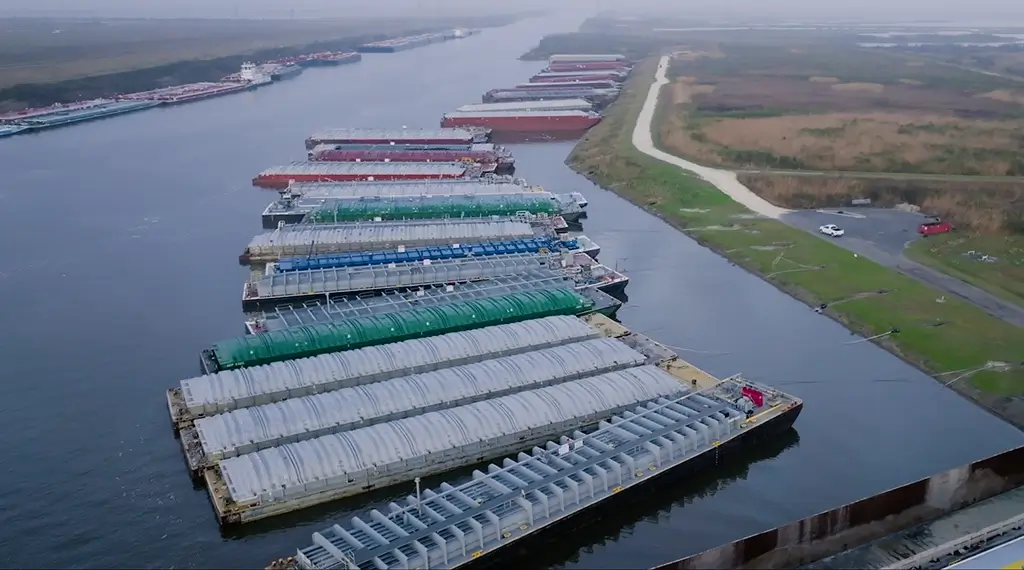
881 235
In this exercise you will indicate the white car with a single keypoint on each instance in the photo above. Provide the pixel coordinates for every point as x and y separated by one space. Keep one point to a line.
831 230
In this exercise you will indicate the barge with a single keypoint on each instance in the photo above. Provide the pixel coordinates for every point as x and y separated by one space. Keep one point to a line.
186 93
297 475
280 177
533 493
223 392
61 115
525 121
398 136
277 287
569 85
491 160
570 76
372 400
404 43
585 57
589 66
396 147
295 315
333 336
597 96
539 105
431 253
435 207
302 199
305 240
281 71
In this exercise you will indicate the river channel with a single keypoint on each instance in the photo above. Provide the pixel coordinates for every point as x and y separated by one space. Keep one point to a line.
120 241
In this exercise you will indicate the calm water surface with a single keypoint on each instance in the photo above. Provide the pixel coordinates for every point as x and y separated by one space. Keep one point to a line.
120 239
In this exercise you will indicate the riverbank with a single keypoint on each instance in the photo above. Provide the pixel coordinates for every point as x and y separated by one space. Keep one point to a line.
946 337
93 62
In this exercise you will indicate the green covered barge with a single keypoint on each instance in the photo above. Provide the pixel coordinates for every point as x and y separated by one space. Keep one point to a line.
321 338
430 207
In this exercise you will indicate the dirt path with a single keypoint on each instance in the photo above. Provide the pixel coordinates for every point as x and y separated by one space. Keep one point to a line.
724 180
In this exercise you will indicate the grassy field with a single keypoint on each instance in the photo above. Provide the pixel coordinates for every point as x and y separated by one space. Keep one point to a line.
992 263
940 337
46 51
845 108
43 61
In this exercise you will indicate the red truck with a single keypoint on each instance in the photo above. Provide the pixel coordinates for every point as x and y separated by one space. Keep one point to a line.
934 228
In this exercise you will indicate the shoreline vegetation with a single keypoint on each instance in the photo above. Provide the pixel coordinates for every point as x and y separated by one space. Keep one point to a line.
961 346
88 60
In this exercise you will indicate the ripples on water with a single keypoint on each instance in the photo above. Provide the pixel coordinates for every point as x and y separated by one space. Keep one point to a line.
120 240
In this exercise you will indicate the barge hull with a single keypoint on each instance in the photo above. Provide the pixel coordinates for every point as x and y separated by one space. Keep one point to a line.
282 181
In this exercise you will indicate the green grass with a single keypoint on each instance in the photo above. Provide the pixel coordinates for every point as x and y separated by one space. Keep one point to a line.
966 336
1003 278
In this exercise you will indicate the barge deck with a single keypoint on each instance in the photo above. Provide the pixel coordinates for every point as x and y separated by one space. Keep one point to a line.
435 207
398 136
339 309
297 475
247 430
292 208
334 336
283 287
513 501
230 390
313 239
419 254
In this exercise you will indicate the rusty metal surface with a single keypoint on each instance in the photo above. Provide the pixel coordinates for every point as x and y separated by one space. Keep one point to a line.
829 533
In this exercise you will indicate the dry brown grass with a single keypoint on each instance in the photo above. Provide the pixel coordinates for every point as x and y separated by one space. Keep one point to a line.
869 141
981 207
821 79
675 131
869 87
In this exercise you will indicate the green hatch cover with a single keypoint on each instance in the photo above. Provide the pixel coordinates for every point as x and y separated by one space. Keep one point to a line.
320 338
352 210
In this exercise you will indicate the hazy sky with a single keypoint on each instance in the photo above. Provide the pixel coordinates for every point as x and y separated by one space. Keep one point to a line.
1008 12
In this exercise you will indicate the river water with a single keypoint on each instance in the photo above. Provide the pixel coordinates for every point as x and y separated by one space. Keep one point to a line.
120 240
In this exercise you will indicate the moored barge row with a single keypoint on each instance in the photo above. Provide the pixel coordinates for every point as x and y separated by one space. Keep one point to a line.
250 429
431 253
589 66
297 475
246 387
185 93
299 209
333 336
397 136
654 442
281 176
339 309
597 75
525 121
568 85
584 57
501 164
543 105
283 287
62 115
276 287
311 239
394 147
597 96
437 207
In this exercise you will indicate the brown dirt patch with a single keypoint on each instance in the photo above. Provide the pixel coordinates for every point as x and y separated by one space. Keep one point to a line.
821 79
869 87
